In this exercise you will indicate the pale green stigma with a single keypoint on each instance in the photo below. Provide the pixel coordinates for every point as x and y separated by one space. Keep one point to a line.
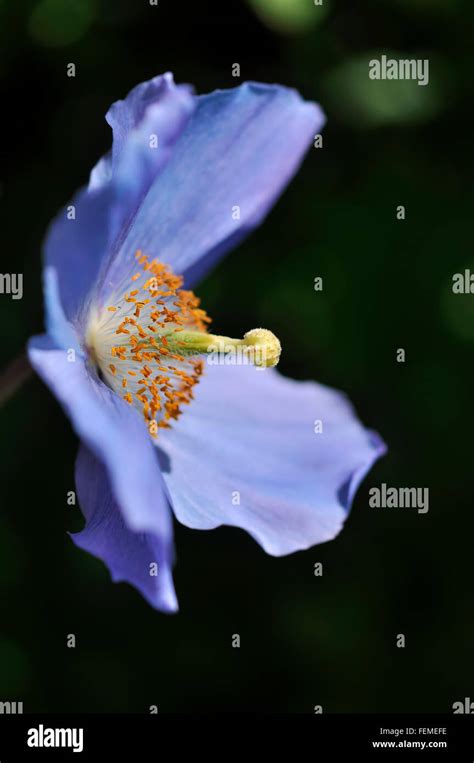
259 347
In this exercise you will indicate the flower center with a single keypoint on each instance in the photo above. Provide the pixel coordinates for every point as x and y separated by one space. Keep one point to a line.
135 343
147 343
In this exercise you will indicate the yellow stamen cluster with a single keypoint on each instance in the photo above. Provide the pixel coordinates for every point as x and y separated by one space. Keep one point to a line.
135 343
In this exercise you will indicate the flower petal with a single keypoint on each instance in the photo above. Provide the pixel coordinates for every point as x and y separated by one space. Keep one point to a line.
57 326
245 453
130 556
114 432
170 101
75 243
86 233
235 156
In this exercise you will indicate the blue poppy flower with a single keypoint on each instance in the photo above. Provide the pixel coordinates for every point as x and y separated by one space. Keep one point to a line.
161 430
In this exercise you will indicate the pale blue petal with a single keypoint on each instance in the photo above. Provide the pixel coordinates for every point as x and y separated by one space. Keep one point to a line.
236 155
245 453
136 558
57 326
114 431
86 234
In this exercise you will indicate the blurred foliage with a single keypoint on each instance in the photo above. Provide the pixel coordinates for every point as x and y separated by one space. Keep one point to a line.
427 7
305 640
57 23
289 16
371 103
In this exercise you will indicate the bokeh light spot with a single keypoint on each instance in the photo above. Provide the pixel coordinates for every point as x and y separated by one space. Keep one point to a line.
55 23
373 102
290 16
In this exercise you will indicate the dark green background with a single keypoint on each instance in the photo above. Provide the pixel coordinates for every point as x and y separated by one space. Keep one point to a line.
387 285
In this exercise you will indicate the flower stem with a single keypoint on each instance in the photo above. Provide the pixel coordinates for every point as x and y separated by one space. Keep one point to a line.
12 378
